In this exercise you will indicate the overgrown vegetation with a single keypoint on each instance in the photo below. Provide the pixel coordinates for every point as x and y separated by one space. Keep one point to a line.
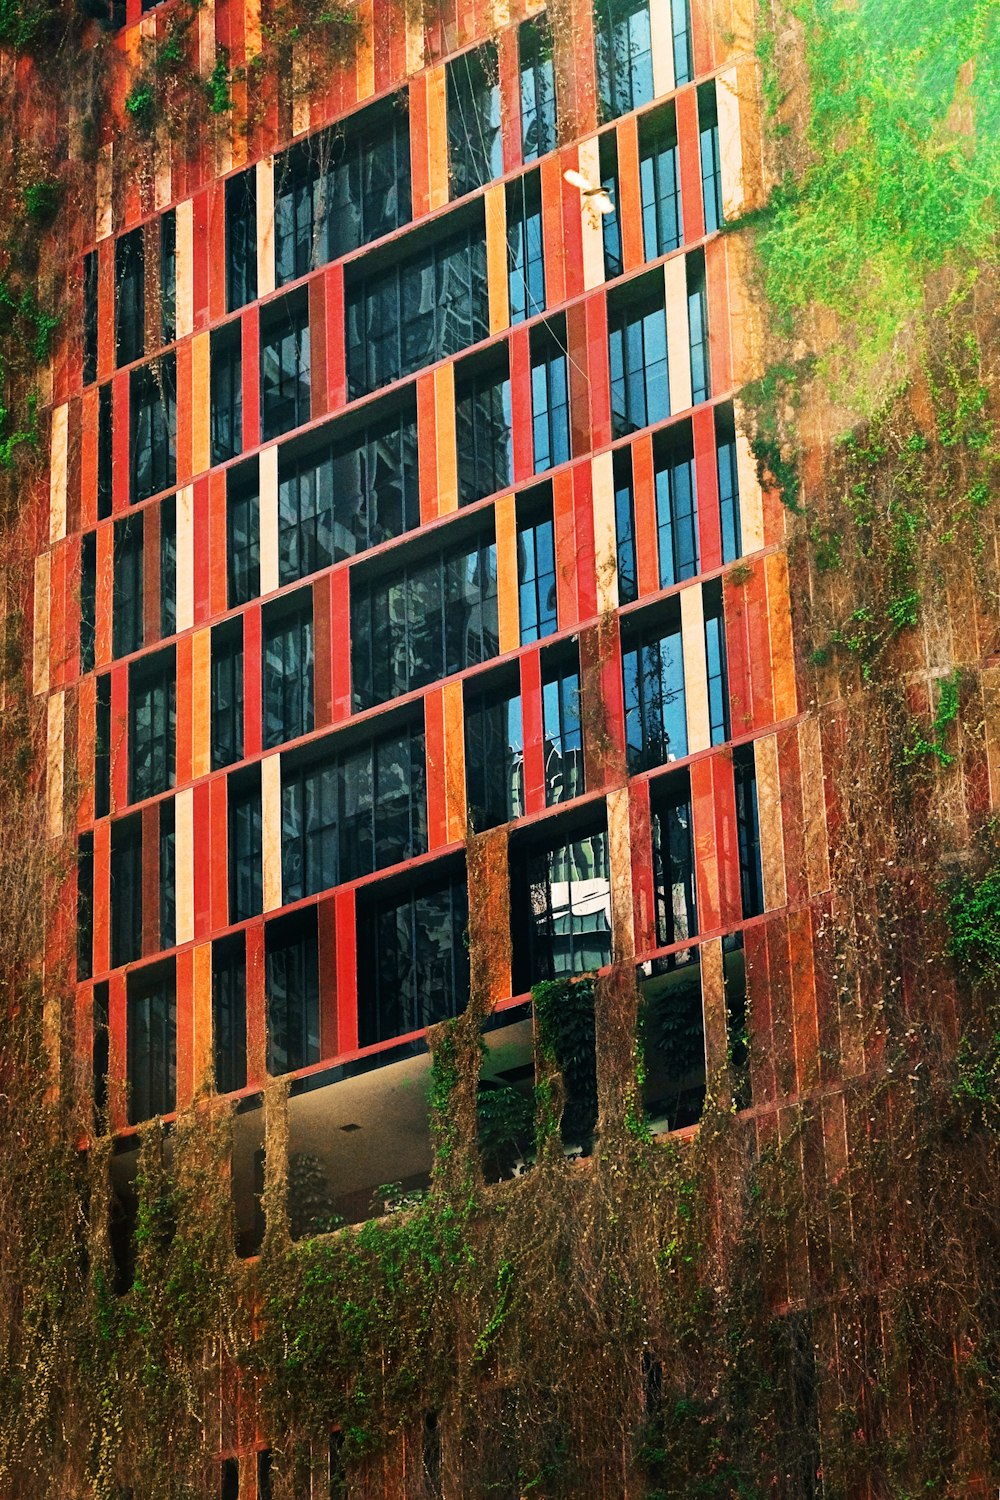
789 1294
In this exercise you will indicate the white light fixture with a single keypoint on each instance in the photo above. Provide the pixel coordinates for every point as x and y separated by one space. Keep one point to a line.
597 197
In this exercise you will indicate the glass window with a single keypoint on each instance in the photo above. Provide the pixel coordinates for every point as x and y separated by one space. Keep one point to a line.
610 227
246 880
349 495
352 813
227 693
711 166
483 430
701 379
494 757
673 859
168 276
102 747
660 182
152 725
475 153
85 906
624 56
628 577
291 968
680 16
284 366
151 1029
130 297
729 483
90 317
127 616
241 239
536 578
637 347
168 567
676 505
715 656
242 533
425 622
538 88
672 1033
227 393
229 1012
341 189
525 250
126 891
104 452
549 396
562 909
369 195
288 670
153 428
428 305
748 830
653 673
413 962
168 875
88 602
299 201
563 731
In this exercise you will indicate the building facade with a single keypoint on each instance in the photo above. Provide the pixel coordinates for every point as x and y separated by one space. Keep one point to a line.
401 507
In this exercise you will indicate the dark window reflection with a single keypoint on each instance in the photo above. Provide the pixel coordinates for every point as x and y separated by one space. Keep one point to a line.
653 673
426 622
291 981
350 814
413 962
494 757
673 859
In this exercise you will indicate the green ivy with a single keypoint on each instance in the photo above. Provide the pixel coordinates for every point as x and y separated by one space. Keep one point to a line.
974 920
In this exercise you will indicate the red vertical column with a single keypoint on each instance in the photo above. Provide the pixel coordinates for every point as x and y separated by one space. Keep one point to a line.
520 401
437 800
201 212
564 519
250 351
322 653
335 339
340 647
215 249
105 309
719 323
203 859
326 922
705 851
533 731
707 487
510 99
256 1007
318 330
643 895
584 560
689 154
347 971
726 840
737 658
647 559
184 1006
